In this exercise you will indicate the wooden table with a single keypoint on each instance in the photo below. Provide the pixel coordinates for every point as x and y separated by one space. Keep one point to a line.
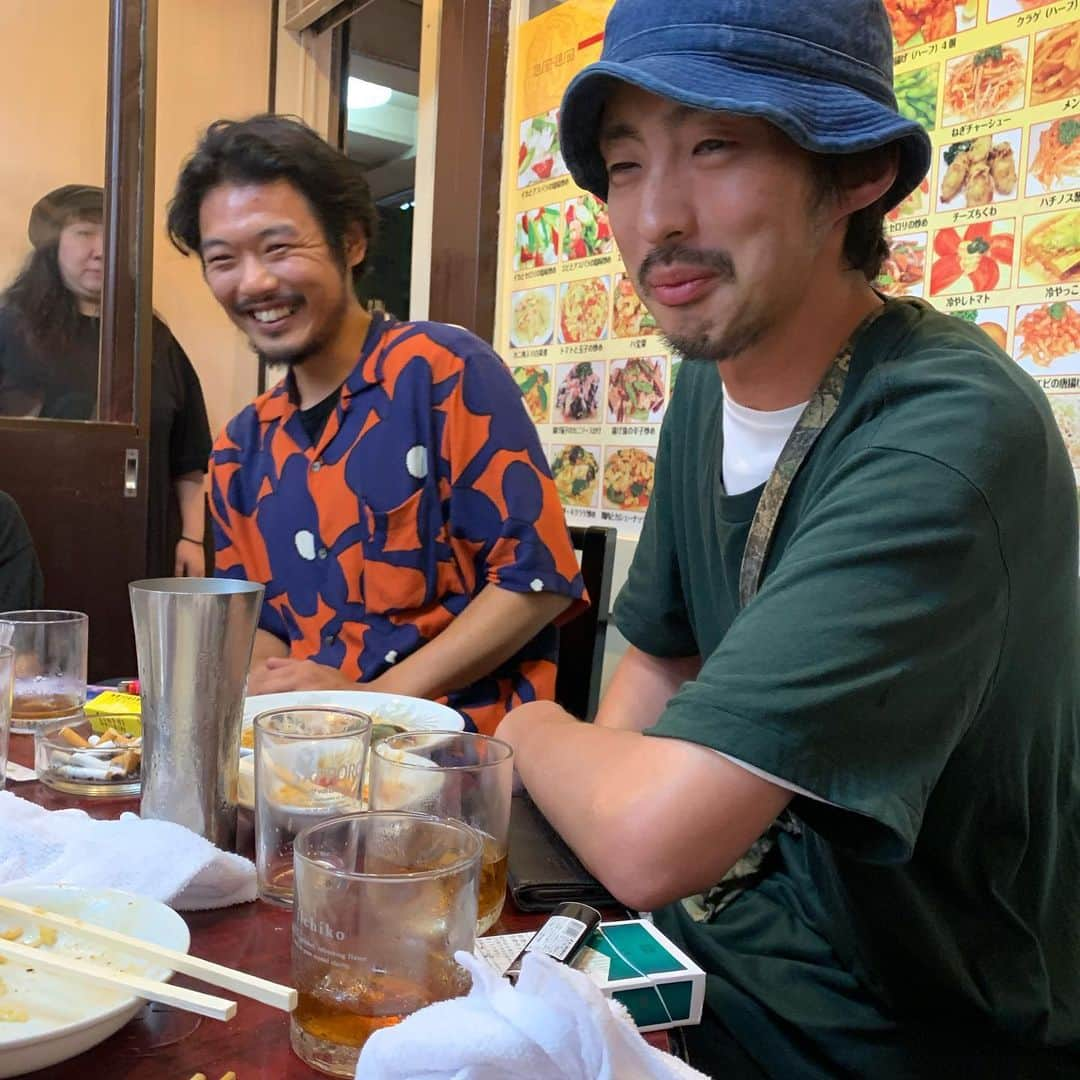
162 1043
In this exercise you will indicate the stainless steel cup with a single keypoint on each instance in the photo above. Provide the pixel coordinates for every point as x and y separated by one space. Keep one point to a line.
194 638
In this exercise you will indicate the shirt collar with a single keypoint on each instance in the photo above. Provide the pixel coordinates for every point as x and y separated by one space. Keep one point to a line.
281 402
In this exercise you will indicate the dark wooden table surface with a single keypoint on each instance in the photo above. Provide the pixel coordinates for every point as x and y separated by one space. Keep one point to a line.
162 1043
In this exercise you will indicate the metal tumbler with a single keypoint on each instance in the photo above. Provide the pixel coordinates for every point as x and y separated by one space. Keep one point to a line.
194 638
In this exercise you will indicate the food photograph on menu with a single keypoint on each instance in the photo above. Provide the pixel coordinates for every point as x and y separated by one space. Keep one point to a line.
584 308
915 22
1054 156
976 258
539 154
580 386
979 171
628 478
534 384
917 94
532 317
1066 408
917 204
586 231
1002 9
629 317
636 392
985 83
904 269
1050 253
993 322
1056 67
576 470
537 238
1047 338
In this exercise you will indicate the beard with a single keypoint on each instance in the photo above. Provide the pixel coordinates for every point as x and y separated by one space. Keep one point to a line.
705 341
321 337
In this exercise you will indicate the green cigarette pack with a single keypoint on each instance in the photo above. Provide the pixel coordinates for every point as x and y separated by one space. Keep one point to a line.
667 989
631 961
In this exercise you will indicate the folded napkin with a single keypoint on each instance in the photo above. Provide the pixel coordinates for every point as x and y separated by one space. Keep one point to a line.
151 858
555 1024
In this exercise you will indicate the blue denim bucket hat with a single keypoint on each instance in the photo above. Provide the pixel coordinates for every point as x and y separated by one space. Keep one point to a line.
821 72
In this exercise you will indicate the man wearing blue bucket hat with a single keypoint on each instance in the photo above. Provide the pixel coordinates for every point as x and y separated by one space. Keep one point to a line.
853 607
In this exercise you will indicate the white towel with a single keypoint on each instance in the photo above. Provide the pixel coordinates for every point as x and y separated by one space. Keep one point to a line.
151 858
555 1024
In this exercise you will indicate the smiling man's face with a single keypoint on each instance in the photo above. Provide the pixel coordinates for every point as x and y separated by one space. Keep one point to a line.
268 263
717 215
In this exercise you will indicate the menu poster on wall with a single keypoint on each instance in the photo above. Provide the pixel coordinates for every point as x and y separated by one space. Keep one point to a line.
992 235
578 340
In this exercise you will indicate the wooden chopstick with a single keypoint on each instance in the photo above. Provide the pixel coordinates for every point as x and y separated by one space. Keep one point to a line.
239 982
177 996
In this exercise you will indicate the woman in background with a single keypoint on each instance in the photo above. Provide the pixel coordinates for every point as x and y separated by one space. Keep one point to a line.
50 327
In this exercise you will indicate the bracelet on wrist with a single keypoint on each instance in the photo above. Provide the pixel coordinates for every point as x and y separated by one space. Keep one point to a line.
192 540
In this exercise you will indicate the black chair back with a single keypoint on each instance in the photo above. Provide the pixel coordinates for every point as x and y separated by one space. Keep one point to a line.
581 640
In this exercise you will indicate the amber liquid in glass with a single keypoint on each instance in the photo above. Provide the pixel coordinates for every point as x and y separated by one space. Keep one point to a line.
35 707
342 1008
493 867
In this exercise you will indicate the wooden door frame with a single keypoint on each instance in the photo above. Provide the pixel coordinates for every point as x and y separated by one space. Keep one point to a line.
473 55
68 476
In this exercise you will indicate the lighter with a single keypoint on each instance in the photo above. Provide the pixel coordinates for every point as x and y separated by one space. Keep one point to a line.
561 937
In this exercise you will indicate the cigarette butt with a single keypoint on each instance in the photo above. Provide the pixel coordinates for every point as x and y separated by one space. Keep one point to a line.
128 761
72 738
112 734
230 1075
199 1076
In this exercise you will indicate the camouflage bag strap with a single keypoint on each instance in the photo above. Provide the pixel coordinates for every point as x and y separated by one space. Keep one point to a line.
819 410
760 860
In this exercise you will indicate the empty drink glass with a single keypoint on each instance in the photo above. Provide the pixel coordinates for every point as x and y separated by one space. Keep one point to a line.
309 766
453 774
7 668
383 901
50 665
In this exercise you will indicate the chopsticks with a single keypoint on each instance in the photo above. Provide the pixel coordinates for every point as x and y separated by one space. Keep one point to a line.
239 982
191 1000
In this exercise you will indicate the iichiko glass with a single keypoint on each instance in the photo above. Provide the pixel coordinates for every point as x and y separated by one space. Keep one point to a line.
383 902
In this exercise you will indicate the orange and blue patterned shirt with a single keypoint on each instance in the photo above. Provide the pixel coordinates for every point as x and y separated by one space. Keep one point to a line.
427 484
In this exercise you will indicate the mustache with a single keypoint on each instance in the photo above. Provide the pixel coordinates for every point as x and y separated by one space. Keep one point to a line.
720 262
279 299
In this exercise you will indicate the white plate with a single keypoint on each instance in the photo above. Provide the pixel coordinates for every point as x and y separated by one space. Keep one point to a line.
68 1017
415 714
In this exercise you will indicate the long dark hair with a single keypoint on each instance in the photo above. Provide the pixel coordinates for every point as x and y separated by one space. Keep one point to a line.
45 311
268 148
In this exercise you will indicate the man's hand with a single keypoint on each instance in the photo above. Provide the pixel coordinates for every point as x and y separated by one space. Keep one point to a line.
190 560
282 674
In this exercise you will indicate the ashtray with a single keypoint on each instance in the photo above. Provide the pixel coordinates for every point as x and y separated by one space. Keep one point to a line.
79 760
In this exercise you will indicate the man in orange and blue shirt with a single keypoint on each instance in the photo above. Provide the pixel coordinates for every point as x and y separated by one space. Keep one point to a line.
390 492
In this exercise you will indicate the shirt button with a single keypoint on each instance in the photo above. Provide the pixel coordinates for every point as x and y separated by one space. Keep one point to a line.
323 553
329 639
316 465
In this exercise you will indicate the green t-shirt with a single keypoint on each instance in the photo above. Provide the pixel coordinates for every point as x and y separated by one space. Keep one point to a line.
911 661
